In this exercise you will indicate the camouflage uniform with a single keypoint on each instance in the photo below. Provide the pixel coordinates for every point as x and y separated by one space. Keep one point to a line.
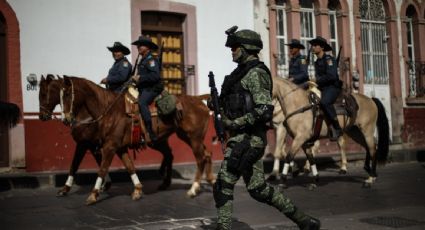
249 86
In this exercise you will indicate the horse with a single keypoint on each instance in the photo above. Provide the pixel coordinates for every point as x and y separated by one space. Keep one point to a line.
299 122
279 152
49 98
114 127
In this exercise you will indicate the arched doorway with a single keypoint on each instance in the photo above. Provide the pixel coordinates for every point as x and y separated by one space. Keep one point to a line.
4 131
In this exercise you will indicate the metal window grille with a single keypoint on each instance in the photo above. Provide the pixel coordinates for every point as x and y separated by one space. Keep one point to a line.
308 31
282 62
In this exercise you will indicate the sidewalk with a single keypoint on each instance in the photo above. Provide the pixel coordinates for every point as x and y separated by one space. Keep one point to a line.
19 178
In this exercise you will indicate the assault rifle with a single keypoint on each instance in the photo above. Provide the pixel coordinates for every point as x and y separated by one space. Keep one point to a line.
308 56
218 122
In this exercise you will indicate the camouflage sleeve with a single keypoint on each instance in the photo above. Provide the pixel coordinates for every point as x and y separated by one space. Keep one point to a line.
259 84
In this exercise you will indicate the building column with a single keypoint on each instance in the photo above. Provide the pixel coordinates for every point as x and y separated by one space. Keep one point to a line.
322 22
345 41
293 18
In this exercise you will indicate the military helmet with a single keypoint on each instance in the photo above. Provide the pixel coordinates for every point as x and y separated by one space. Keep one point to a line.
249 39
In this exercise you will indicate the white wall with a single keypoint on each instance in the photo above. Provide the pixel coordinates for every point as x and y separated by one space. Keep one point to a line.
213 17
69 37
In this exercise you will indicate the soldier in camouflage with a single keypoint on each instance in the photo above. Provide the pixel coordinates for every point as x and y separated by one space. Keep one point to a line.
246 104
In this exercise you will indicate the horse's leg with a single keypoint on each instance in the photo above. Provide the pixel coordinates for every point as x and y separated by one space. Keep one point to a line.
210 177
279 151
129 165
313 150
79 152
95 151
198 150
295 147
107 156
342 144
371 155
167 163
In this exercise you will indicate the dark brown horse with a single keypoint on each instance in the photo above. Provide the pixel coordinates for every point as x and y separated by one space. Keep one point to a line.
114 126
48 99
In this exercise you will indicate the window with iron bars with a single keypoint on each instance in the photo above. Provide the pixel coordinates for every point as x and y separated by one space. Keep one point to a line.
282 55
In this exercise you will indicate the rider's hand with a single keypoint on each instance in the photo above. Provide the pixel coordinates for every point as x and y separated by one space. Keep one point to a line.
230 124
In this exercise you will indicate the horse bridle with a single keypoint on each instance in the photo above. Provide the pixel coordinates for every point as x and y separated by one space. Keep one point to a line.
47 110
72 100
300 110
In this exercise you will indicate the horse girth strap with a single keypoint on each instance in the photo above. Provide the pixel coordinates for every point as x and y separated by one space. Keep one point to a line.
300 110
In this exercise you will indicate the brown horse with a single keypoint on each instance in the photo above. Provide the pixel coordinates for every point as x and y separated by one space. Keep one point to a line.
114 126
299 123
49 98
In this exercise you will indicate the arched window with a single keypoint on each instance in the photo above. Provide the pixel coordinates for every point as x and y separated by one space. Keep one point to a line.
281 36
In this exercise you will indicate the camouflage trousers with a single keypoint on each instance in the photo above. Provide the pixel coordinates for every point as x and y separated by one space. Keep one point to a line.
257 188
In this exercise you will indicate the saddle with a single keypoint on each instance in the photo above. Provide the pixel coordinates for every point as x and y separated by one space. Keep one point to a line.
345 104
138 129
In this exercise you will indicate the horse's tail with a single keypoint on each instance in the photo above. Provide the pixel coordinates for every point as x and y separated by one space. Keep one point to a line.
203 96
10 114
383 133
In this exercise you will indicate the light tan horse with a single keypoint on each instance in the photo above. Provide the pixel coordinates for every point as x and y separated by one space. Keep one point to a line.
279 152
370 116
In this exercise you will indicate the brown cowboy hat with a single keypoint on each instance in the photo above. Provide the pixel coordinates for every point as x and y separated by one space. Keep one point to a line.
119 47
295 43
145 41
321 42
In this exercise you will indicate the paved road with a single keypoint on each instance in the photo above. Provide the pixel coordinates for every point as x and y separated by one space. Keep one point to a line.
396 201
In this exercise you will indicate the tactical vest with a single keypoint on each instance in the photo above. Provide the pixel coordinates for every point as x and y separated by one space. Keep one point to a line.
234 99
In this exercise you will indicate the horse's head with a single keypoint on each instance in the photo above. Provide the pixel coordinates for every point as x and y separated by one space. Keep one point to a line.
48 96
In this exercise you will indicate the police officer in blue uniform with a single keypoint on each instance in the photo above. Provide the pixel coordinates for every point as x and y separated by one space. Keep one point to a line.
120 71
148 80
328 83
298 66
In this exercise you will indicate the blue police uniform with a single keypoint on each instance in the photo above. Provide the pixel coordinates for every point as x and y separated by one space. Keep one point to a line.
298 69
118 74
149 86
330 86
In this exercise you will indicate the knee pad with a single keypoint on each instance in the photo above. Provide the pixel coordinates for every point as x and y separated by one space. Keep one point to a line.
257 194
219 197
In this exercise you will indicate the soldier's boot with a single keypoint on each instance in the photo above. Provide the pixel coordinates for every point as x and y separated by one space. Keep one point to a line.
336 130
152 135
303 221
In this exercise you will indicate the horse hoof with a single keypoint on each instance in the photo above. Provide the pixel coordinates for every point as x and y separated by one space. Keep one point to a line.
342 172
164 186
312 187
64 191
92 198
137 193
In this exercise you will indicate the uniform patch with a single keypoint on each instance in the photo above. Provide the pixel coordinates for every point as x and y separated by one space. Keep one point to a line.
303 61
330 62
152 63
125 64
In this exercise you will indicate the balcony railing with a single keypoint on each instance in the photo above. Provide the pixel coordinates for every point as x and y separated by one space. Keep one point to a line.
416 71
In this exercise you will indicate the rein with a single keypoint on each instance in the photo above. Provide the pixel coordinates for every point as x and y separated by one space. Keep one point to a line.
89 120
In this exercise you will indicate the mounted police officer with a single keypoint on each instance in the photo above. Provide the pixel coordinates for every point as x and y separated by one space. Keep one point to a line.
120 71
148 80
298 66
328 83
247 106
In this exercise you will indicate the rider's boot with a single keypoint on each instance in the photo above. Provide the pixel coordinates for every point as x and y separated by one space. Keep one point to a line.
336 130
303 221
